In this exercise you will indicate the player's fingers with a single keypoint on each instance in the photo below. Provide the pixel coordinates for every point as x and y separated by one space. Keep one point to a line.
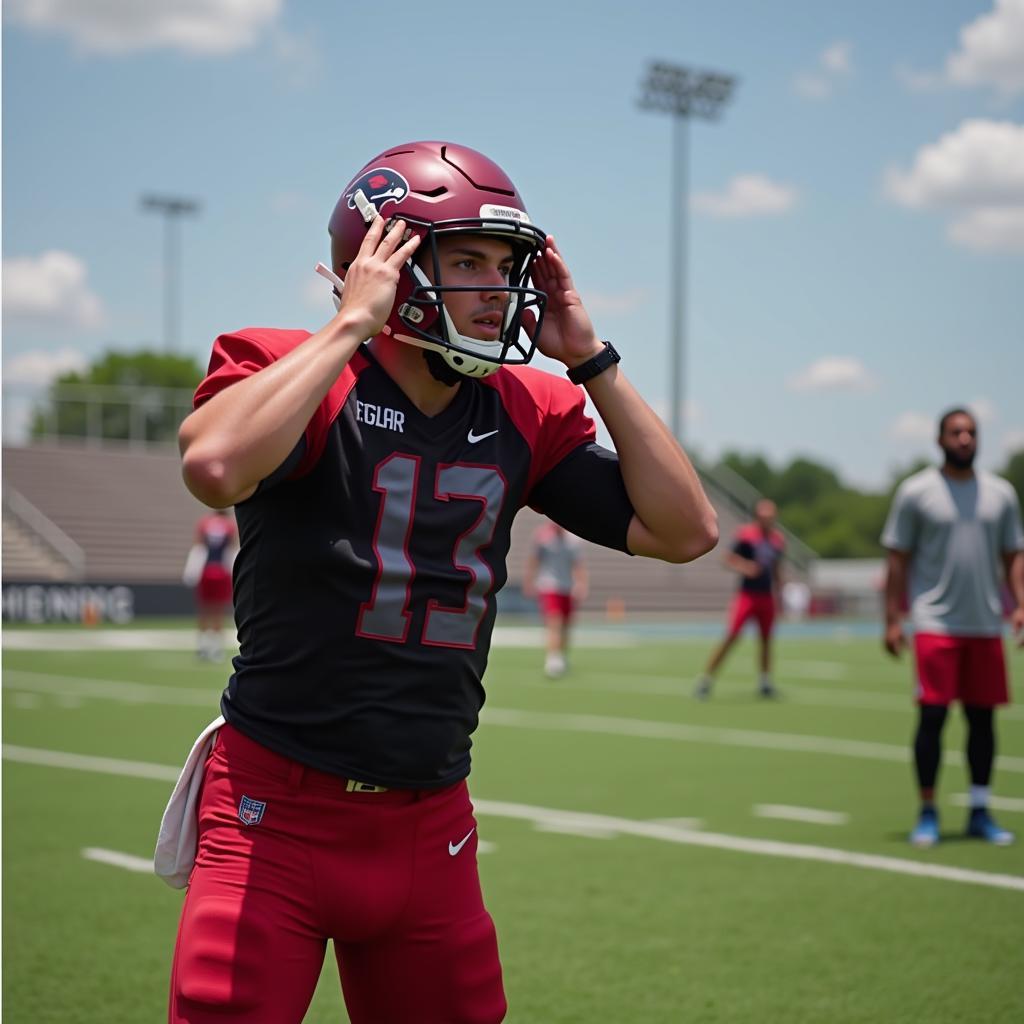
372 237
394 233
405 251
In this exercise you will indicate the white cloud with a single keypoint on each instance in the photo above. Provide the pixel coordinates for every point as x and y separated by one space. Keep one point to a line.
977 169
316 295
983 409
299 56
746 195
914 426
39 368
836 58
1013 441
833 62
202 27
616 303
812 87
992 50
980 163
51 288
833 373
991 229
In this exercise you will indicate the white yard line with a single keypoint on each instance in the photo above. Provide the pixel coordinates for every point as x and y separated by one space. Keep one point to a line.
997 803
84 763
185 639
677 686
683 733
139 693
589 824
805 814
118 860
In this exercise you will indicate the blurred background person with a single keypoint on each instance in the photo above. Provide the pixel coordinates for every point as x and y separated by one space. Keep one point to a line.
947 532
557 575
208 569
755 556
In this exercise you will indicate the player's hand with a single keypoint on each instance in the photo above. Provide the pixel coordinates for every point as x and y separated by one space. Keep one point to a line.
566 333
372 278
894 641
1017 624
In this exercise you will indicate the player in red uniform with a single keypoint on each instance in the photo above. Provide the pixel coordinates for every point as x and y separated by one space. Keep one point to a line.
208 569
756 553
375 483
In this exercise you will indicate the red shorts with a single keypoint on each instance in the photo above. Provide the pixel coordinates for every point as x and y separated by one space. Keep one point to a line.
214 585
970 669
746 605
391 877
555 605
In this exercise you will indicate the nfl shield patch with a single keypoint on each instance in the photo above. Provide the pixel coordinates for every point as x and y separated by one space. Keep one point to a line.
250 812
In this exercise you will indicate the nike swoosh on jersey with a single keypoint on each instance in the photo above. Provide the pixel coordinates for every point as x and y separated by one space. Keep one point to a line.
473 438
453 848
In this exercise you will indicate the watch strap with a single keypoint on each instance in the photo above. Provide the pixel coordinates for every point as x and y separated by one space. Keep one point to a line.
608 356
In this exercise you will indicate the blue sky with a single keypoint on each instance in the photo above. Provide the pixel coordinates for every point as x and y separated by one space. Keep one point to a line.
856 221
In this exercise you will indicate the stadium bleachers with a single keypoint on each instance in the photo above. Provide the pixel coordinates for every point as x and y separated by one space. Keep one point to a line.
128 510
131 515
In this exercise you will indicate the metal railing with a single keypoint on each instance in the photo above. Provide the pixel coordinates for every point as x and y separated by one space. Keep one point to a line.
742 497
44 530
95 413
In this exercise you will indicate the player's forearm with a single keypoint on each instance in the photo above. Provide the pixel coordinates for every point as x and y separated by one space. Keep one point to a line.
1015 576
895 589
241 435
674 519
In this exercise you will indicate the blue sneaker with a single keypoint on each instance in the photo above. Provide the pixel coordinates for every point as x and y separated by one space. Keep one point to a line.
926 831
982 826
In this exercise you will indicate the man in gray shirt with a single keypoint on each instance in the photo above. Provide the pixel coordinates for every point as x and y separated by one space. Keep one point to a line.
947 532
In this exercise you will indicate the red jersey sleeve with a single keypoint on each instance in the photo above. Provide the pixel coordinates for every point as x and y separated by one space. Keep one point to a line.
243 353
549 413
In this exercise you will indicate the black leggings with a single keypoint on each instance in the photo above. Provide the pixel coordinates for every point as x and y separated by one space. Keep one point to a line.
981 743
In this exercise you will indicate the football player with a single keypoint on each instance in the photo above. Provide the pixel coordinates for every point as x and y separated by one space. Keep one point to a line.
208 569
755 556
375 467
948 533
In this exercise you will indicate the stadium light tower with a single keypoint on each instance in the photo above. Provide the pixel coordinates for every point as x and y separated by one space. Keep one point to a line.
173 208
683 93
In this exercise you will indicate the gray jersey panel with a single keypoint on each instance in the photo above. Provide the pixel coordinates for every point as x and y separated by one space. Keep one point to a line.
956 532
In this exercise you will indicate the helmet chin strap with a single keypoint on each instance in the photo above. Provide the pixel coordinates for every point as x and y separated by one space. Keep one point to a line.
440 370
339 285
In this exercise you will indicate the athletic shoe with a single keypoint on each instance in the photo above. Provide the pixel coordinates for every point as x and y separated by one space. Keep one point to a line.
766 690
703 688
926 831
554 666
980 825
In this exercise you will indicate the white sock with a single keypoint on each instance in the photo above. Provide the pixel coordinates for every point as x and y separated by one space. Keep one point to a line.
979 796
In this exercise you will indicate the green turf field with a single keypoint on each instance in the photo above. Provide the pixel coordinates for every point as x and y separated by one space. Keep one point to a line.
630 866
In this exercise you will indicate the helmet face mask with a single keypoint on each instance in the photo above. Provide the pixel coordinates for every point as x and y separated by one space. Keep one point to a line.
441 190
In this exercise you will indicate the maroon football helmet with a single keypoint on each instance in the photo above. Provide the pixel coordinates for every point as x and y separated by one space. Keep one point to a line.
440 188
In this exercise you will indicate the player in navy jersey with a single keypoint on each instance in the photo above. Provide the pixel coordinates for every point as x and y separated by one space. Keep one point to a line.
755 556
375 467
208 569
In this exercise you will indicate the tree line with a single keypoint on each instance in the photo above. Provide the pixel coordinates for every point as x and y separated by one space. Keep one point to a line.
833 517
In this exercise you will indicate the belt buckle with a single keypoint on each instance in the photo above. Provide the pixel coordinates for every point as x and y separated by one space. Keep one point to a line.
355 786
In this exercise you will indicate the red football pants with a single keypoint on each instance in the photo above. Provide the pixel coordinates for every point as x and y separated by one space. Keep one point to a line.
391 877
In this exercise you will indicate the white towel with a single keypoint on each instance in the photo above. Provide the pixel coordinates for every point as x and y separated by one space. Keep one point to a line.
179 828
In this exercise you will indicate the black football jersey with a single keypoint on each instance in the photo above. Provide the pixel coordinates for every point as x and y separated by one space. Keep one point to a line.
365 582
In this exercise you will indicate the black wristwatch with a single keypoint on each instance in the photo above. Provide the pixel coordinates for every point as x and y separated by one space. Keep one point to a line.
592 367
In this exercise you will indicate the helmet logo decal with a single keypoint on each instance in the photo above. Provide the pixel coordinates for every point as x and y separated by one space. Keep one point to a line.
380 186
